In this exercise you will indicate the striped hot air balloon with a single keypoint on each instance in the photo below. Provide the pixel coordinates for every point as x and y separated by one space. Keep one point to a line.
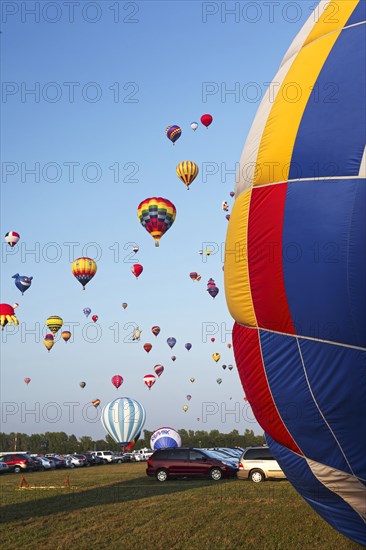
54 323
123 419
158 369
187 171
173 132
157 215
300 309
84 270
165 438
149 380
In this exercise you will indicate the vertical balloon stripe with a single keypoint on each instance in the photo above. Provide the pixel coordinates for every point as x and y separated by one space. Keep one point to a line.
248 357
265 257
123 419
333 18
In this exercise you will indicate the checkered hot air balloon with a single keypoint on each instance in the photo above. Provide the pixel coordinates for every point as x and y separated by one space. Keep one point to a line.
157 215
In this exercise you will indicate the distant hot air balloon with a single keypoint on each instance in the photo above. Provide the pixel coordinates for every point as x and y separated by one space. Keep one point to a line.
7 315
95 318
216 357
136 335
155 330
225 206
173 133
200 252
189 397
193 275
87 311
219 380
232 194
54 323
185 408
171 342
192 380
188 346
82 384
229 346
198 278
66 335
159 369
194 126
208 252
124 305
165 438
206 120
27 380
149 380
212 339
96 403
84 270
227 217
22 282
137 269
147 347
230 367
156 215
173 357
12 237
117 380
224 367
187 172
49 341
135 249
123 419
213 291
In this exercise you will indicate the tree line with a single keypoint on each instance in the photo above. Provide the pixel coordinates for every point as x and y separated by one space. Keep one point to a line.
60 442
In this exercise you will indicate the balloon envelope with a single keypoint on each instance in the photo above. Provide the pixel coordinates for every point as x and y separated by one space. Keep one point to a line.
194 126
87 311
171 342
82 384
66 335
137 269
188 346
84 270
173 133
124 305
155 330
12 237
159 369
206 120
187 171
149 380
123 419
27 380
156 215
165 438
54 323
147 347
117 380
22 282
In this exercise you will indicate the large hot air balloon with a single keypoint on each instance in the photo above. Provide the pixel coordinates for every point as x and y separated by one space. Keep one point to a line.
149 380
123 419
155 330
66 335
188 346
87 311
300 332
12 237
137 269
54 323
7 315
187 171
206 120
22 282
27 380
173 133
147 347
165 438
84 270
117 380
49 341
171 342
159 369
156 215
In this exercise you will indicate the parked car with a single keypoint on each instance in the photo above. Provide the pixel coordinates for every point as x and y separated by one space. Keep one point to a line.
184 462
58 461
4 467
107 456
37 464
142 456
74 461
258 464
93 460
45 463
119 458
18 462
220 455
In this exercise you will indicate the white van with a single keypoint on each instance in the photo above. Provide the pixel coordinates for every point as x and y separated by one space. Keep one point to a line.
258 464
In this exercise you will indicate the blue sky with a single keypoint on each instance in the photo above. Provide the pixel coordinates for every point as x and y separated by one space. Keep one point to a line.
105 92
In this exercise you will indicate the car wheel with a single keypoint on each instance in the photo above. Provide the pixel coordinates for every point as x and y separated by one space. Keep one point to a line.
72 465
119 461
216 474
257 476
161 475
17 469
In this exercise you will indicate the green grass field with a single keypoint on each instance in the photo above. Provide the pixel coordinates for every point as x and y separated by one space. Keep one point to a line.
120 507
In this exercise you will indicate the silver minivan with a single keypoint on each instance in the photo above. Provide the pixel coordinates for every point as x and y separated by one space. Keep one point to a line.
258 464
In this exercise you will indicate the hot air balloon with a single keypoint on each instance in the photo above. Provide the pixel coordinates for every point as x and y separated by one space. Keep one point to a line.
208 252
219 380
187 171
147 347
224 367
206 120
230 367
173 358
87 311
84 270
49 341
22 282
229 346
155 330
225 206
232 194
135 249
173 133
159 369
66 335
82 384
216 357
27 380
198 278
300 325
227 217
193 275
185 408
95 318
54 323
165 438
156 215
124 305
213 291
212 339
136 335
200 252
12 237
192 380
117 380
96 403
189 397
137 269
188 346
194 126
7 315
171 342
123 419
149 380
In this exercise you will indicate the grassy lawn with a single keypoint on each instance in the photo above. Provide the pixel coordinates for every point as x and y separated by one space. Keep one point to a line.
118 506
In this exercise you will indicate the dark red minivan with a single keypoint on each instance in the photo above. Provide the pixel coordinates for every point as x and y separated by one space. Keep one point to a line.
168 463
